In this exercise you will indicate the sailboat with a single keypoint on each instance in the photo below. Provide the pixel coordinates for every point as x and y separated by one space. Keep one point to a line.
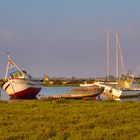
111 91
18 84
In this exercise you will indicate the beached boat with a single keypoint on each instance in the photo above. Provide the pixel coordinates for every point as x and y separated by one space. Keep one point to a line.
109 92
84 93
80 96
18 84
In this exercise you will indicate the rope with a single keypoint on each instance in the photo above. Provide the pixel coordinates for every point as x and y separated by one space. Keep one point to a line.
122 63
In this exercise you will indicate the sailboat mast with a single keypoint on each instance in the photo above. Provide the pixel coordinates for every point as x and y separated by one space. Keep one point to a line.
117 58
107 55
6 73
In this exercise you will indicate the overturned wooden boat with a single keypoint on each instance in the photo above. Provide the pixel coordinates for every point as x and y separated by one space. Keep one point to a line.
80 96
18 84
84 93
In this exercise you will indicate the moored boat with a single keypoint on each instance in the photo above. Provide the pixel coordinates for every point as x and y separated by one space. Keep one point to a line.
85 84
18 84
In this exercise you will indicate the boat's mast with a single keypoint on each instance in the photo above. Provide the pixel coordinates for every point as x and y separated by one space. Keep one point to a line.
117 58
12 64
6 73
107 56
7 67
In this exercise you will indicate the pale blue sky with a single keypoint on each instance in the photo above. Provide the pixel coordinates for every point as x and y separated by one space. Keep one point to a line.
68 37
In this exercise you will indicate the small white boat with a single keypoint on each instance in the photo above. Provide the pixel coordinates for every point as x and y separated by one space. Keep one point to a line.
89 84
109 92
86 85
18 84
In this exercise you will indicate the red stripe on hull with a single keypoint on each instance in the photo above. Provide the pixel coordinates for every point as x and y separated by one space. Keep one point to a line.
29 93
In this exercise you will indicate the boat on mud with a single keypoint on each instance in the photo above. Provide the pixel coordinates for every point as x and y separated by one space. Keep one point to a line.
18 84
80 96
109 92
84 93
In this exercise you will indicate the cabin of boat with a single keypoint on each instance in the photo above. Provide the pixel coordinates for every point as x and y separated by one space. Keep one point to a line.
18 84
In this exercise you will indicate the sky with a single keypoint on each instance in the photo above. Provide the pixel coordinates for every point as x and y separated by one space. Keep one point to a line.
66 38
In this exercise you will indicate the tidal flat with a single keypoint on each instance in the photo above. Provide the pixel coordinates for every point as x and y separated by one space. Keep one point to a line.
69 119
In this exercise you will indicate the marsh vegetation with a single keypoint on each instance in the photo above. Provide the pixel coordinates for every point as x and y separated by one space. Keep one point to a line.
69 119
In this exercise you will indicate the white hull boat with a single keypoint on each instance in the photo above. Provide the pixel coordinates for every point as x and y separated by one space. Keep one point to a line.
21 88
89 84
109 92
18 84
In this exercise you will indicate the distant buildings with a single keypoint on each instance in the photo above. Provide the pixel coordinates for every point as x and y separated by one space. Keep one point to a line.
46 78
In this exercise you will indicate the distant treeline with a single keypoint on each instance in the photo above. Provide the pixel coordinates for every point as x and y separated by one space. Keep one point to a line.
70 82
76 81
